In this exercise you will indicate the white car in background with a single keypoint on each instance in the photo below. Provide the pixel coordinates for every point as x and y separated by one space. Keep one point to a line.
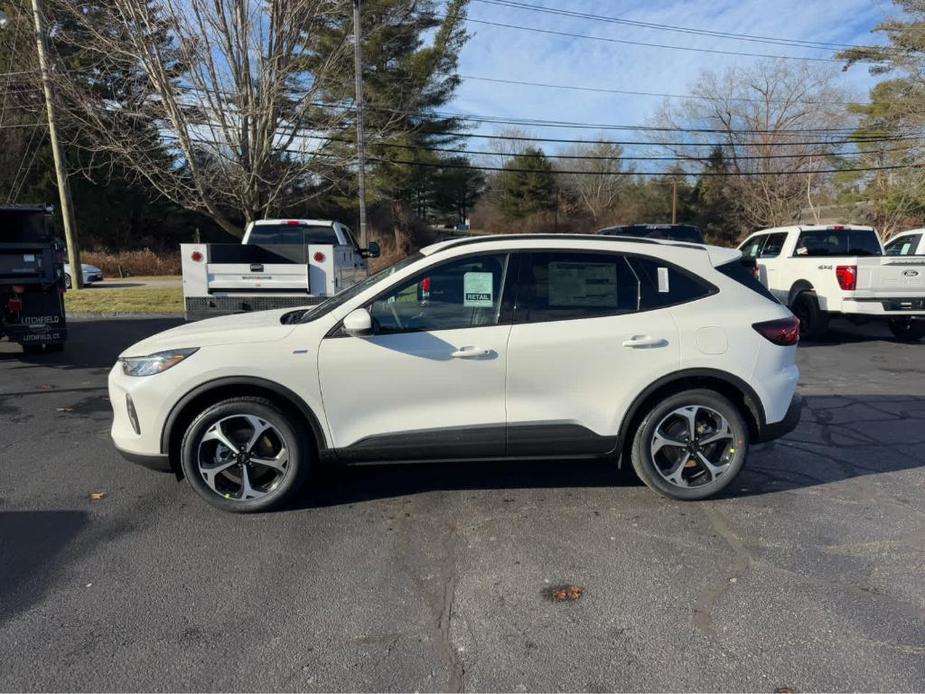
910 242
91 274
668 356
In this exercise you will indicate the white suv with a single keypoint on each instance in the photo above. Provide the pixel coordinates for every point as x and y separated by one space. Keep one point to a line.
670 355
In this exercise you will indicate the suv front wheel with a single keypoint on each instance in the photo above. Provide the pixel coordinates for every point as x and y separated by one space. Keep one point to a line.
690 445
244 455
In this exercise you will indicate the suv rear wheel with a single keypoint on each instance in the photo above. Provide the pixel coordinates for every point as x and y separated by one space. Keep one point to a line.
244 455
690 445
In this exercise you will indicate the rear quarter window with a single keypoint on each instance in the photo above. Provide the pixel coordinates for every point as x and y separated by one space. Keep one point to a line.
665 285
742 274
905 245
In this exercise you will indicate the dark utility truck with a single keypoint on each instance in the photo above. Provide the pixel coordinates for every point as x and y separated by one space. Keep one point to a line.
31 279
664 232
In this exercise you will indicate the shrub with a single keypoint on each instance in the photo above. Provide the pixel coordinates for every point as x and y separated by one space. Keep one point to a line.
133 263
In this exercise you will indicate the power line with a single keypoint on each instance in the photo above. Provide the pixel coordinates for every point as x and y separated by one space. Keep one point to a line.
772 40
629 92
628 42
649 173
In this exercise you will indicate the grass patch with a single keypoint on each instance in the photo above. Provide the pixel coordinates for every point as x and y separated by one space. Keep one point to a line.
128 300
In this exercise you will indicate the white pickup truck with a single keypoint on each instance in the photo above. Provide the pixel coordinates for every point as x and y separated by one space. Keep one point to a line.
279 263
910 242
827 271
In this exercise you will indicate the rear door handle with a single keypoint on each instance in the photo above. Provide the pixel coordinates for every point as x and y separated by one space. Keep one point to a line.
470 353
637 341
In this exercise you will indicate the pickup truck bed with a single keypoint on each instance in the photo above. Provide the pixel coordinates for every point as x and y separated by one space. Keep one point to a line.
268 270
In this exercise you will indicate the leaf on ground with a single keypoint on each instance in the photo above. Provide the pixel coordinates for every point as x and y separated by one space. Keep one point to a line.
97 496
564 593
64 409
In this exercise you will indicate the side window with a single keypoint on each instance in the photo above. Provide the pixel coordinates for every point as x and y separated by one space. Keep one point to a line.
351 240
564 286
906 245
752 247
664 285
464 293
773 246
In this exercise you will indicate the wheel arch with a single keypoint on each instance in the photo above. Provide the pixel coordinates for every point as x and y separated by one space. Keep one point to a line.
727 384
195 401
798 288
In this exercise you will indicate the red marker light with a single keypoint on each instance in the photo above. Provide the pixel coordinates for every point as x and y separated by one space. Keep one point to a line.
838 227
196 256
847 277
293 222
318 257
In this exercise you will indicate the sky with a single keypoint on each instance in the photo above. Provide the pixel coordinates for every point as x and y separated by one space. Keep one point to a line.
513 54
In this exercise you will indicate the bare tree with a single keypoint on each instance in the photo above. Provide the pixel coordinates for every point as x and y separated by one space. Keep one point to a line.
208 100
601 178
777 125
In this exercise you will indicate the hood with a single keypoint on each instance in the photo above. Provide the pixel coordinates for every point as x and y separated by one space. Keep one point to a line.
240 328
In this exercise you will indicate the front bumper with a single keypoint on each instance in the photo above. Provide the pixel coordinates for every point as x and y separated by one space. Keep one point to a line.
774 430
159 462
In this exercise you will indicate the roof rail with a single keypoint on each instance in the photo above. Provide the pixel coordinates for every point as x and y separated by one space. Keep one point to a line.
455 243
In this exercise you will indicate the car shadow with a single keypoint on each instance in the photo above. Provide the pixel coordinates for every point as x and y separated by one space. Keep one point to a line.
29 542
839 438
92 343
843 332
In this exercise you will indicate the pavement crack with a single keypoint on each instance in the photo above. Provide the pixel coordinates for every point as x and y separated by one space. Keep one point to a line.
709 597
451 657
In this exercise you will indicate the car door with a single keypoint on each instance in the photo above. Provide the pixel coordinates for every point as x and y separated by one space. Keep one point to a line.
769 260
429 383
589 335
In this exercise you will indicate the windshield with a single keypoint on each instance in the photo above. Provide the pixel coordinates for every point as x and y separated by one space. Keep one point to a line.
355 290
291 234
846 242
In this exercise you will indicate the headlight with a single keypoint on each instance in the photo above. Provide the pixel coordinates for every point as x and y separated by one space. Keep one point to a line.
154 363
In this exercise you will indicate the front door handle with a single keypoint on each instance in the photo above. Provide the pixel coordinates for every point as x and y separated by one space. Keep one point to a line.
470 353
644 341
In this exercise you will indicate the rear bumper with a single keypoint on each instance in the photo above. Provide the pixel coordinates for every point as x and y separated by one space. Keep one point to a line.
774 430
885 306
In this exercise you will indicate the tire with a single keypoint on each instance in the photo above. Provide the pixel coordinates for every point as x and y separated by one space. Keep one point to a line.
67 281
216 472
675 471
814 322
910 329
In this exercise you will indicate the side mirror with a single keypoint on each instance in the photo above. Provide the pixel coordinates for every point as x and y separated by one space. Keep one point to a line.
372 251
358 323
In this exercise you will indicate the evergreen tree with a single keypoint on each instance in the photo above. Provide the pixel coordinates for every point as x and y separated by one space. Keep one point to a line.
526 186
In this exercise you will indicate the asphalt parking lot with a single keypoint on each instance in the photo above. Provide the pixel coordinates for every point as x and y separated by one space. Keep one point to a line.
809 574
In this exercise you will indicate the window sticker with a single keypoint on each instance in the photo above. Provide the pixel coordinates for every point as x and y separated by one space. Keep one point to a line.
477 289
663 287
28 258
582 284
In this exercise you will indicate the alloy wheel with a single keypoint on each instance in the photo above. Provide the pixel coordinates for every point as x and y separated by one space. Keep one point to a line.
243 457
692 446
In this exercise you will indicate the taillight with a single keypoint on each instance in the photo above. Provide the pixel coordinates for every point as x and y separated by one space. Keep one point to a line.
783 332
196 256
318 257
756 272
847 277
293 222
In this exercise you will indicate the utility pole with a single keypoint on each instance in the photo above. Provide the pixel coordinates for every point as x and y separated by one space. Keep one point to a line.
361 136
64 188
674 202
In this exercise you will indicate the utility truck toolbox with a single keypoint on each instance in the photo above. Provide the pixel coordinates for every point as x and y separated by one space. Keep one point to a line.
822 272
278 264
31 279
